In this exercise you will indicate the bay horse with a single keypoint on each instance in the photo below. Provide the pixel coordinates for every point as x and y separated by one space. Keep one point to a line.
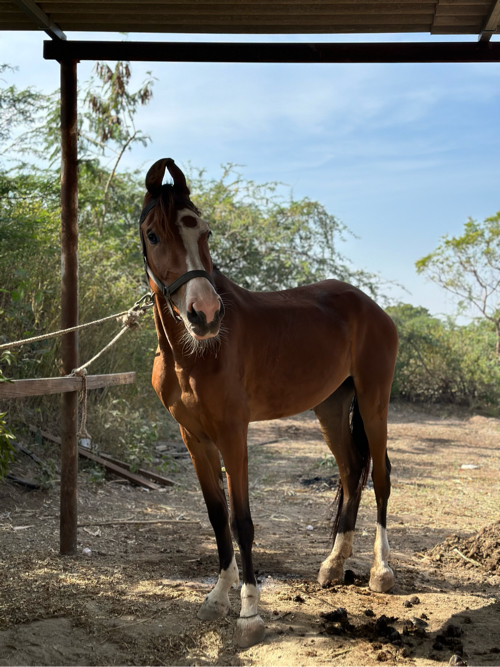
227 356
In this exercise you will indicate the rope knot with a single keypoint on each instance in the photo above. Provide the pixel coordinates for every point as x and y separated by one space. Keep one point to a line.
131 319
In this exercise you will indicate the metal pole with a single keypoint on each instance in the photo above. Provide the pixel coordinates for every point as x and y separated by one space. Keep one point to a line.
69 304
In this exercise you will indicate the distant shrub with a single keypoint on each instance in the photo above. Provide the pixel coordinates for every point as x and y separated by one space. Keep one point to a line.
442 362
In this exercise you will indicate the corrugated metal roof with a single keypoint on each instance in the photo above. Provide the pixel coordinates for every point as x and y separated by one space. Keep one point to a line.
258 16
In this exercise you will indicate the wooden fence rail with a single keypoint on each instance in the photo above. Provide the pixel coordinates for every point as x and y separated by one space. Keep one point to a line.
44 386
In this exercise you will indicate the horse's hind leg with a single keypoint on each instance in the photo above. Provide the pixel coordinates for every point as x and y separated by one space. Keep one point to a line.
374 407
206 461
343 432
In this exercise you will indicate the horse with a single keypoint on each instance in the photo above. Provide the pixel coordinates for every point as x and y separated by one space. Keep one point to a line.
227 356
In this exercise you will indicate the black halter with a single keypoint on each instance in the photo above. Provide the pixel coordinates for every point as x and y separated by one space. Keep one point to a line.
167 290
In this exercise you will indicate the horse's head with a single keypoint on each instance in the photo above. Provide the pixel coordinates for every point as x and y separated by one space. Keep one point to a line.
175 246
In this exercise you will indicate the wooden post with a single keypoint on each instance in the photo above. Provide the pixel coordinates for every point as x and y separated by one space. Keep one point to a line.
69 304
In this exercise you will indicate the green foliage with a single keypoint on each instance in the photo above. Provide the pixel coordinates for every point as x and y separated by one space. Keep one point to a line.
263 241
6 448
328 462
468 266
18 108
6 436
442 362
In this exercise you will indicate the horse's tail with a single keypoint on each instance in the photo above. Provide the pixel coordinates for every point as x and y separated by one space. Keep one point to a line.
360 442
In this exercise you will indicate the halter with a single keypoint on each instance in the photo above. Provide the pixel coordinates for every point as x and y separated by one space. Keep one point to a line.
167 290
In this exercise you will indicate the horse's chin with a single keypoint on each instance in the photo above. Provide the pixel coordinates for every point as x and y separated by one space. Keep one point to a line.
207 336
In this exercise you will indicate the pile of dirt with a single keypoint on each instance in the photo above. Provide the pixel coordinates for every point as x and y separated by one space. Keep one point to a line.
481 549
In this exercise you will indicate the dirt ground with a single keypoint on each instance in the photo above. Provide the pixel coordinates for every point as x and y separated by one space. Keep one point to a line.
133 599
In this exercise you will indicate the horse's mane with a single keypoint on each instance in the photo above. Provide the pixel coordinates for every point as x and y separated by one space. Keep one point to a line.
170 200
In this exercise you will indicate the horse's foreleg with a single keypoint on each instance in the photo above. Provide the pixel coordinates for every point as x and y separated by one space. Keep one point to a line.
206 461
250 626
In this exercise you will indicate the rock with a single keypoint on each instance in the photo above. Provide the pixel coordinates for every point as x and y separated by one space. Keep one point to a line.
415 599
457 660
454 630
369 612
337 615
383 656
437 646
407 604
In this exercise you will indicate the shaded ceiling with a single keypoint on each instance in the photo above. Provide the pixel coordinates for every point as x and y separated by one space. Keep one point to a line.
451 17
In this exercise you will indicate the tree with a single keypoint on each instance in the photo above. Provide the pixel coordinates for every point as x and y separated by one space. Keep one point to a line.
468 267
18 108
442 362
264 241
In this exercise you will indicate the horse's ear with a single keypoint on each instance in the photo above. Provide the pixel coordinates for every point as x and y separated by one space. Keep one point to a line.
180 184
155 175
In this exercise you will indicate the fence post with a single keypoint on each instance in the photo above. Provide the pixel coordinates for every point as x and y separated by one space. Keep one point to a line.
69 304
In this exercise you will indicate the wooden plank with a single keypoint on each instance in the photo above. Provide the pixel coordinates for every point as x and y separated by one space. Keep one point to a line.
40 18
129 6
456 30
44 386
118 470
160 479
251 29
454 20
112 467
165 7
111 21
491 23
266 52
153 12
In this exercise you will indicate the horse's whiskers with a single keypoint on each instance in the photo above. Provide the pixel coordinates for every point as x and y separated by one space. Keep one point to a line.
198 348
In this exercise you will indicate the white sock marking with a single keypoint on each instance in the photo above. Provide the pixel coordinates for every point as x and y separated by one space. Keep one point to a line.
381 548
250 597
227 578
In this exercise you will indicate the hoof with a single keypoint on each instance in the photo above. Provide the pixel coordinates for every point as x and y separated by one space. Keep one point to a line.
249 631
381 580
330 574
211 610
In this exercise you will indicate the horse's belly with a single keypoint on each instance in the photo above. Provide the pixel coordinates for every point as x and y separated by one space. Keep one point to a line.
295 389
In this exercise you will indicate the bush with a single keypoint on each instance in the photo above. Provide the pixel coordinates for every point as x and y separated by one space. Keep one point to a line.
442 362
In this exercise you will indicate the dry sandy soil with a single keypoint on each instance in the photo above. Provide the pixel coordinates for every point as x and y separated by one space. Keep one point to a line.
133 600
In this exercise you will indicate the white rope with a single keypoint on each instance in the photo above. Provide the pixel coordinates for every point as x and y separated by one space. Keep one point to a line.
130 320
126 314
82 432
77 371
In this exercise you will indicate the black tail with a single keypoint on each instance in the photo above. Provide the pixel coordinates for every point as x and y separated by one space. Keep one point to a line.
361 443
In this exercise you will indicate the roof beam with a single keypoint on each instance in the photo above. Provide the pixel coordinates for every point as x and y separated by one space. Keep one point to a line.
40 18
491 23
258 52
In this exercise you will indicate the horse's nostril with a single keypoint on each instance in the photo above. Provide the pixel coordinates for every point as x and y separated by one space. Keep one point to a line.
195 317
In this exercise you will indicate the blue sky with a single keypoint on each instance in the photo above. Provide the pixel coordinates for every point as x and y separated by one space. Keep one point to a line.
402 154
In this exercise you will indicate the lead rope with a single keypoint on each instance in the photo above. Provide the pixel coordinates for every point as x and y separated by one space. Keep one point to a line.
130 320
82 398
124 315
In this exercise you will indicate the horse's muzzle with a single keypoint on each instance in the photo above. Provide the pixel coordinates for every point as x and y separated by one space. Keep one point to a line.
200 328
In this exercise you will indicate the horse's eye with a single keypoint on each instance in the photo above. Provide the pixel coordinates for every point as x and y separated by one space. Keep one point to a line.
152 238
